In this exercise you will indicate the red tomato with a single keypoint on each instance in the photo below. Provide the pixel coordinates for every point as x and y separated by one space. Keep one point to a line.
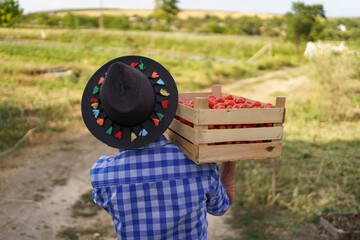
236 106
211 97
245 105
240 100
269 105
220 99
257 103
229 107
229 102
229 97
211 103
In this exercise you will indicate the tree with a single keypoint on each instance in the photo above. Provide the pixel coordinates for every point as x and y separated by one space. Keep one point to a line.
166 9
10 12
303 23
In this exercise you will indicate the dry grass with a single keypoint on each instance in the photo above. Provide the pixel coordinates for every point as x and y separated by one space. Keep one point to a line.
185 14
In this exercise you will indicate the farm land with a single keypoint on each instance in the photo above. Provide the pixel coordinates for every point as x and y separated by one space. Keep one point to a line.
42 79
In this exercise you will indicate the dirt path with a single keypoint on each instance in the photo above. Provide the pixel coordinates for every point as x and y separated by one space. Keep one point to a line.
39 183
265 88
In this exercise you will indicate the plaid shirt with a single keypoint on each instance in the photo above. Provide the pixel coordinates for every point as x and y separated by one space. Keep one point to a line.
156 192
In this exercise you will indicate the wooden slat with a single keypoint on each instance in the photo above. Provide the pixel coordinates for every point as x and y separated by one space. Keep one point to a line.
186 112
280 103
183 130
240 134
239 116
189 149
191 96
200 103
239 152
216 90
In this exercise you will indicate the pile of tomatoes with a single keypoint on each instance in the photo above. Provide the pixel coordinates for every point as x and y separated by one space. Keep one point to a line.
229 102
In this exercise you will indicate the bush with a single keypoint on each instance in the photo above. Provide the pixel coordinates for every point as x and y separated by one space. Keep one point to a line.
333 87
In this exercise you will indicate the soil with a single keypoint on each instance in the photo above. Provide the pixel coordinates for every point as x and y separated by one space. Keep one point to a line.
347 223
42 180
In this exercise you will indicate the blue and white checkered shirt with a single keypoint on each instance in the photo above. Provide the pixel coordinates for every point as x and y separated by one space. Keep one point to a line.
156 192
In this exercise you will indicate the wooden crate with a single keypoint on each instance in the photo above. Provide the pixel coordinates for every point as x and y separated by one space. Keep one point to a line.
194 141
336 232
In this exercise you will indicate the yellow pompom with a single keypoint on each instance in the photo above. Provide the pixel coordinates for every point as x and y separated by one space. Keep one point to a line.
95 105
164 92
133 136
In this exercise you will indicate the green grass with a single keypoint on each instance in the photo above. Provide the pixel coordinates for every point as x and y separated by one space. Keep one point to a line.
196 62
319 168
85 206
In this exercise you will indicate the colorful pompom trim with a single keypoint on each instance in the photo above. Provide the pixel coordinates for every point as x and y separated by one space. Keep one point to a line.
133 136
96 90
154 75
134 64
109 131
101 80
164 92
96 113
160 82
118 135
143 132
141 66
100 121
165 104
95 102
156 121
160 116
95 105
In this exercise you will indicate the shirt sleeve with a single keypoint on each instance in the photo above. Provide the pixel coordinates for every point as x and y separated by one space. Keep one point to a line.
218 201
102 197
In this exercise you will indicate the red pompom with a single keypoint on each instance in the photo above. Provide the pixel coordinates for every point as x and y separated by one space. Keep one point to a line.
165 104
134 64
118 134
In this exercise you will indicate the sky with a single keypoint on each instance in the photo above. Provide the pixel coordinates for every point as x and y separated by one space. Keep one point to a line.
333 8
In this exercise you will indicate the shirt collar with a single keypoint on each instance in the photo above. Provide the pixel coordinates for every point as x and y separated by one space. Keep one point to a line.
161 141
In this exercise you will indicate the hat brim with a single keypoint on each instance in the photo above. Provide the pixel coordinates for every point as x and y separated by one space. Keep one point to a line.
131 137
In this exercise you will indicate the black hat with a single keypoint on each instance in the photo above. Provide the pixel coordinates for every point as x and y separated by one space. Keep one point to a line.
129 102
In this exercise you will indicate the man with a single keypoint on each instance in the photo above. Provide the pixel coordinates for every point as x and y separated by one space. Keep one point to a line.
151 189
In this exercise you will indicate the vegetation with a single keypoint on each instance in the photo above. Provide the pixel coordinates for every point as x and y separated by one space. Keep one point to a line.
195 61
276 26
303 24
166 9
10 12
318 170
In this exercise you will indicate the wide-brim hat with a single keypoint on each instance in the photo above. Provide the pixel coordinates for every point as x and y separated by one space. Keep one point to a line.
129 102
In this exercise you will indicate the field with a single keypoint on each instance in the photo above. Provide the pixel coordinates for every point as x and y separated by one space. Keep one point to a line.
185 14
42 79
